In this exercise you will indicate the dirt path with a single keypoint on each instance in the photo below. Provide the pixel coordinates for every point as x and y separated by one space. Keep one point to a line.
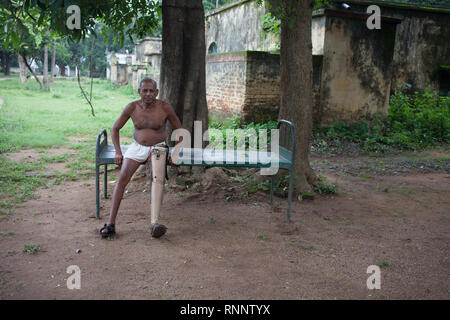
238 249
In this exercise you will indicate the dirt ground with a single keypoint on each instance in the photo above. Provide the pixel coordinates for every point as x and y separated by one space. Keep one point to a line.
240 248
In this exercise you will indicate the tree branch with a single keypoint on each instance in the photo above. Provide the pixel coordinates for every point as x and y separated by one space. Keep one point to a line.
82 91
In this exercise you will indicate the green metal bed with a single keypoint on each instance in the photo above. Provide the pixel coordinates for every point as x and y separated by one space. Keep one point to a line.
104 155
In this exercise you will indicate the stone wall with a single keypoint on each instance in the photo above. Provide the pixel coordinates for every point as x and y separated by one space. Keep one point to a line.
243 83
237 27
225 83
262 87
422 43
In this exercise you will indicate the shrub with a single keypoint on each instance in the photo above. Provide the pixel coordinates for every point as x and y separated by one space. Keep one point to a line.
414 121
418 119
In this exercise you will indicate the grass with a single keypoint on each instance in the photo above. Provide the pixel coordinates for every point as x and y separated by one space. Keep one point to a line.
326 188
382 264
31 118
31 248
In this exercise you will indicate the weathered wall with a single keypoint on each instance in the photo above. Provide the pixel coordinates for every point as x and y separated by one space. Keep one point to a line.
356 70
422 46
318 34
262 85
237 27
225 83
422 43
243 83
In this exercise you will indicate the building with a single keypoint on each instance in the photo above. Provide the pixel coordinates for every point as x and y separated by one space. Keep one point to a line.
354 68
128 68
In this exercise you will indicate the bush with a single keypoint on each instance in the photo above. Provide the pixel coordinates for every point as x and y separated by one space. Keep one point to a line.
414 121
419 119
325 188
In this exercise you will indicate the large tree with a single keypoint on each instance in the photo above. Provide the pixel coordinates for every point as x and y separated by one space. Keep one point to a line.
183 61
296 81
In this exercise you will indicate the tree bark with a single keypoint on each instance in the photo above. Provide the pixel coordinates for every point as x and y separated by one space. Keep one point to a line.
52 65
183 62
5 58
296 85
22 69
45 71
7 69
32 72
62 69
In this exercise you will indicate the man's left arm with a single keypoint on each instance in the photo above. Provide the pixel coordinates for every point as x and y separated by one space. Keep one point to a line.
172 117
176 124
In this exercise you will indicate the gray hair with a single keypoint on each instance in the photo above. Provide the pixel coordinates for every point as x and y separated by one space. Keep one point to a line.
148 79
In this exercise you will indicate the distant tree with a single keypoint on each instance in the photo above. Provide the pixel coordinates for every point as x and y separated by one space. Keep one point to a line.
45 67
53 61
63 56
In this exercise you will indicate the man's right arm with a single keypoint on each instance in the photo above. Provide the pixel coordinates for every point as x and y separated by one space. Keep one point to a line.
120 122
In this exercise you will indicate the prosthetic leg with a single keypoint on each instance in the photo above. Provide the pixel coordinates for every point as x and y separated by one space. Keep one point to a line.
158 156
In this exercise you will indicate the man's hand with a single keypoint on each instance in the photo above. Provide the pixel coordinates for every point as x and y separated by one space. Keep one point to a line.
118 159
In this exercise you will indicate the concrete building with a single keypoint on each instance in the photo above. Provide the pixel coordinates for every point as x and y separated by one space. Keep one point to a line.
127 68
352 64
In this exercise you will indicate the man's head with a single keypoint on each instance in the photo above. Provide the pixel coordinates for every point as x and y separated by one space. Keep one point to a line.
148 90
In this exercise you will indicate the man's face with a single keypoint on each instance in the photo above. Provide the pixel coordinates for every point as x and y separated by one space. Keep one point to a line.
148 91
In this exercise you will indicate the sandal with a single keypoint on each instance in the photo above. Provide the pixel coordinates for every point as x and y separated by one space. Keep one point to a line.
110 230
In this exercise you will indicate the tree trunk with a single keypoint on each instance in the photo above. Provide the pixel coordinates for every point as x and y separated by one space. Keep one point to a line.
52 65
62 69
5 58
22 69
7 69
32 72
45 72
183 62
296 85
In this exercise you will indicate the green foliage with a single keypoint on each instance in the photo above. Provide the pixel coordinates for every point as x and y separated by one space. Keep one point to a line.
413 122
325 188
31 248
271 24
29 23
419 119
242 132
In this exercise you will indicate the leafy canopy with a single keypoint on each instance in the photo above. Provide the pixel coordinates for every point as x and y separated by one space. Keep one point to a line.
126 18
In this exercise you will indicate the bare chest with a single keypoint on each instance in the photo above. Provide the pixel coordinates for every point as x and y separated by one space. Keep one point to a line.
149 119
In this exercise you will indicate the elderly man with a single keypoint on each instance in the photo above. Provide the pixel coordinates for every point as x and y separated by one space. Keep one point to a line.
149 116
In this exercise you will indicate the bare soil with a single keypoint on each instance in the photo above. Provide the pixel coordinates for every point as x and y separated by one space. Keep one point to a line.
240 248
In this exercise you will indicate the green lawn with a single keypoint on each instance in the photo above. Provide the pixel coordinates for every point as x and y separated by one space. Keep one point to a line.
31 118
